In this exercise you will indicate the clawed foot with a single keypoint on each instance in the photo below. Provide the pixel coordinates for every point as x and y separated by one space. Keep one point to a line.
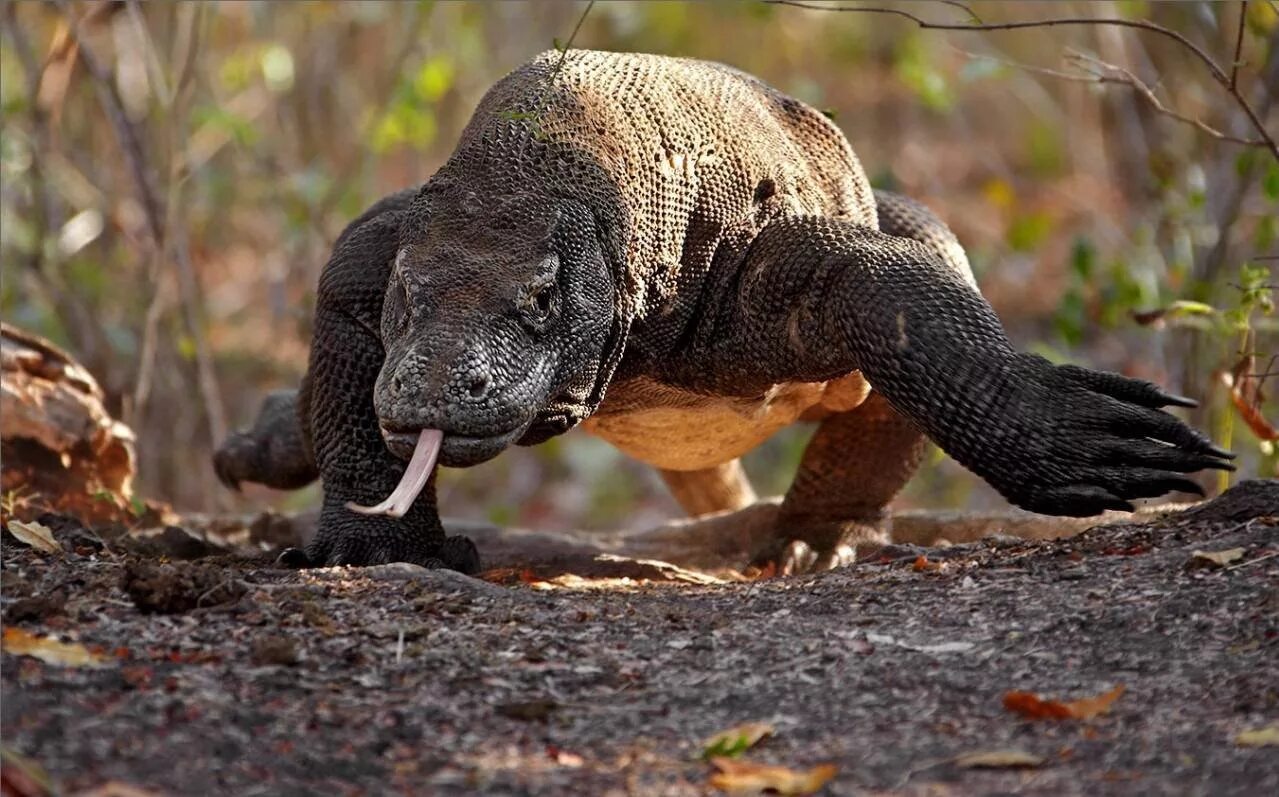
801 547
1078 442
452 553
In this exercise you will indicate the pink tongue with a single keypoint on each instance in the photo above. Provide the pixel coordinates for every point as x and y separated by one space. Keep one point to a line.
413 480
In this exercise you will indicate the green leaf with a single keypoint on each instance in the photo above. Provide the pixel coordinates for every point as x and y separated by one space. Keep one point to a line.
433 79
1270 182
1083 258
1027 231
735 741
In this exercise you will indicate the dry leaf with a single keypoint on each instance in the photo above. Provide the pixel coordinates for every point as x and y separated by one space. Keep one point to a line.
922 564
1217 558
735 741
115 788
49 650
564 758
998 759
1035 707
37 535
1259 737
22 777
748 777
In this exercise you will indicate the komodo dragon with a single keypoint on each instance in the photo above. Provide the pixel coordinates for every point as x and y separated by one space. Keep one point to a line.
683 260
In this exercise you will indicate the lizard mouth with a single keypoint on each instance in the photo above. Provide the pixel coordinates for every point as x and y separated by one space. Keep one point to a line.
421 464
423 449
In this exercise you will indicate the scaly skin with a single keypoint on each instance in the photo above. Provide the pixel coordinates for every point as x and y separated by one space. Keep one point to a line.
683 238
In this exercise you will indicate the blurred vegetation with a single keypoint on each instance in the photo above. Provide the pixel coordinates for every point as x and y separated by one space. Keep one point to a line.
182 267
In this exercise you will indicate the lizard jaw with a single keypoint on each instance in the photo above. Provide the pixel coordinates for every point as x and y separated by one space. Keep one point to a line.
416 474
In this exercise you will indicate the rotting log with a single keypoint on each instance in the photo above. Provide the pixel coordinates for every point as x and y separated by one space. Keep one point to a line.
59 446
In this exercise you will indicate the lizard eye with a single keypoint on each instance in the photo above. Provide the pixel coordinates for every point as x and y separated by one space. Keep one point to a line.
540 304
542 301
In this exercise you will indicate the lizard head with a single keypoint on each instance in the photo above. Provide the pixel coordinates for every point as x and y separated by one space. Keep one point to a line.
497 322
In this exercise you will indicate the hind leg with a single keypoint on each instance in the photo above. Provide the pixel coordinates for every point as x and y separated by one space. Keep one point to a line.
275 452
718 489
852 469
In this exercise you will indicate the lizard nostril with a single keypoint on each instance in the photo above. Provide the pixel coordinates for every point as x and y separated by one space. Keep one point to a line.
397 384
479 385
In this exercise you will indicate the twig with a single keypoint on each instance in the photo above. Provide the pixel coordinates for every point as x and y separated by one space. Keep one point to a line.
127 136
1219 75
569 44
1234 62
1103 72
126 133
45 218
955 3
544 98
1251 562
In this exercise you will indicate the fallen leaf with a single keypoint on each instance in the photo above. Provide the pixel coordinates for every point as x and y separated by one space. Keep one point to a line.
748 777
22 777
1259 737
735 741
1033 706
49 650
923 565
940 647
37 535
115 788
998 759
1217 558
563 757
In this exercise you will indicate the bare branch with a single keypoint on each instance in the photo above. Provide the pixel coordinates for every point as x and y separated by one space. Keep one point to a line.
1234 62
125 132
1214 69
1099 71
550 81
971 14
167 235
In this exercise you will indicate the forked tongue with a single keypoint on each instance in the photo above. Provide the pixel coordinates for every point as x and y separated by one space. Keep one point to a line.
414 479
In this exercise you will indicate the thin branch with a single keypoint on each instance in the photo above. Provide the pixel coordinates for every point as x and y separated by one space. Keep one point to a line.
45 216
126 133
568 45
1218 74
1099 71
955 3
130 143
1234 62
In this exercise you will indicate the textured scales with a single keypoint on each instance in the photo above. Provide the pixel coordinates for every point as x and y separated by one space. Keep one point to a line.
686 260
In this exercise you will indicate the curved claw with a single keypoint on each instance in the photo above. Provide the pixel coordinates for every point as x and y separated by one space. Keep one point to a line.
1108 442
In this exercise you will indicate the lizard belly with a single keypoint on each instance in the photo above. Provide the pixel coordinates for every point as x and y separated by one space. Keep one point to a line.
674 429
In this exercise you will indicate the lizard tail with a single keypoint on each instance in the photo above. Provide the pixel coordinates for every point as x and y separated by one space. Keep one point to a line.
276 452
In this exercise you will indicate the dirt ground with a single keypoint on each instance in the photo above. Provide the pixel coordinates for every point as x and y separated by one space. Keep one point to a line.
204 672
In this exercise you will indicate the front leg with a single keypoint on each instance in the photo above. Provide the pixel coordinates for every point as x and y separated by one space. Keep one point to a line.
350 454
814 298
